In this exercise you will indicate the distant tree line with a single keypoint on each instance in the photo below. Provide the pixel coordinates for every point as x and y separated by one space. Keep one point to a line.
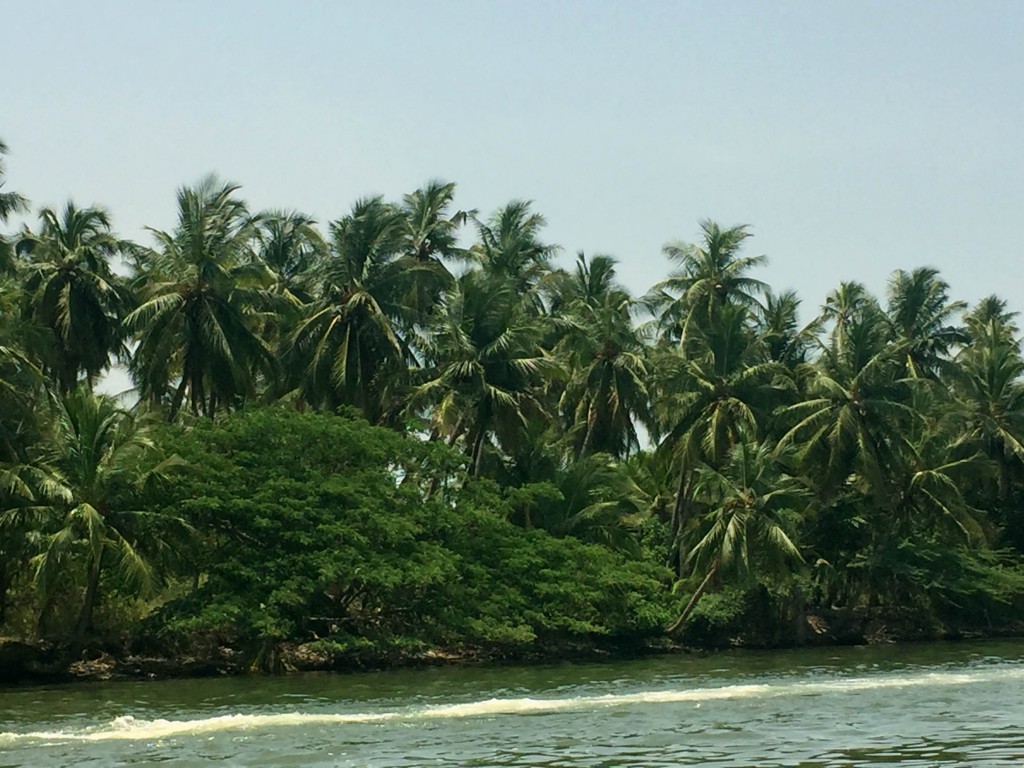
341 421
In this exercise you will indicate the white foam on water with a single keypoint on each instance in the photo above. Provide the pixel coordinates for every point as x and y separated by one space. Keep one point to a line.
128 728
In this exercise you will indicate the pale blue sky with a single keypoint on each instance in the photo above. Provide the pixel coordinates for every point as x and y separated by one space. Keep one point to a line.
855 137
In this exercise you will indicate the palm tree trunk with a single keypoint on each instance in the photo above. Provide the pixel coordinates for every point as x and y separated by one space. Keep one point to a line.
678 523
92 589
588 438
478 452
197 395
678 623
456 433
1003 471
5 585
179 396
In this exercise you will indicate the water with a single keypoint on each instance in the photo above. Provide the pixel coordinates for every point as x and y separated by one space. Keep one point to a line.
914 705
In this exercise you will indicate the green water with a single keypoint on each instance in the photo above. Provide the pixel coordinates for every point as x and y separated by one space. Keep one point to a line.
912 705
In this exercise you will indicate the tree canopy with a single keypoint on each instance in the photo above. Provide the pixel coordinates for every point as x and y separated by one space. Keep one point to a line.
415 425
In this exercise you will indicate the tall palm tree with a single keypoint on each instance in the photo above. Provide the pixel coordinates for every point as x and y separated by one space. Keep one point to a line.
10 203
857 416
353 342
843 307
779 331
510 248
921 316
98 450
202 291
599 501
752 509
483 365
989 393
21 388
991 309
291 247
606 390
708 399
429 229
71 289
708 275
429 235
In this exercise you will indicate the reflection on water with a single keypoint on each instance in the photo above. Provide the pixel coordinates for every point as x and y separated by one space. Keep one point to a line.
922 705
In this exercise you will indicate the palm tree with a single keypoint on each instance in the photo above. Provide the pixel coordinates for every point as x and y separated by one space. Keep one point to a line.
991 309
98 450
294 252
989 392
201 291
600 502
291 248
352 343
844 306
779 332
429 231
707 276
510 248
21 387
857 416
15 532
606 391
483 363
752 509
707 400
10 203
921 313
71 290
430 235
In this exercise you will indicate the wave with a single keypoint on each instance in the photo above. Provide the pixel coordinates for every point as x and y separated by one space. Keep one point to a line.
128 728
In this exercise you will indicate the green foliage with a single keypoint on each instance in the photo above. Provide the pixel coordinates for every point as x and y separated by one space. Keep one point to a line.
319 527
867 461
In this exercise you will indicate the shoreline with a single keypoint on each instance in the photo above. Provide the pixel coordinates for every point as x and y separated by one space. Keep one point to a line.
25 664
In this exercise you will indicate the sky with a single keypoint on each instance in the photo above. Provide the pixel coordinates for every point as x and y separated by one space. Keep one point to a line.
853 137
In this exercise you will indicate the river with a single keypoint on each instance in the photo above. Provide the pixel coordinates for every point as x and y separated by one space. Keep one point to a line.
911 705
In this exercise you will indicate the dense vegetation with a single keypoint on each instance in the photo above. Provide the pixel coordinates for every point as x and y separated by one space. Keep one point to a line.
411 430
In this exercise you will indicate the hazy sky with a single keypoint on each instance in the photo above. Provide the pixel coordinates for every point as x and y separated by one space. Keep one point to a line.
855 137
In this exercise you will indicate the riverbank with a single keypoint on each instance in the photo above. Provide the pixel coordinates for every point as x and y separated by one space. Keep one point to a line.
35 663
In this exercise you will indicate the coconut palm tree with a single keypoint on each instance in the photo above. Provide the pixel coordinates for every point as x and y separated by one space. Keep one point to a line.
752 511
483 365
429 229
96 455
202 291
599 501
857 416
605 393
291 247
10 203
353 341
707 399
510 248
921 316
844 306
779 331
989 393
429 235
71 290
707 276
